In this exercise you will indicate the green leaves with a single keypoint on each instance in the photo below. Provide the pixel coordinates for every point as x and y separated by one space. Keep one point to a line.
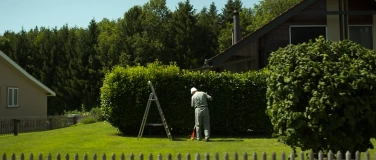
331 84
239 99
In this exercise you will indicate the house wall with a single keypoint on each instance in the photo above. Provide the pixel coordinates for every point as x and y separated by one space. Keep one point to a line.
333 31
246 59
280 36
333 21
32 100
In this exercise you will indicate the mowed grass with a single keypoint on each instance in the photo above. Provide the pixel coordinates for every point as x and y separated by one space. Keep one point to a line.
101 138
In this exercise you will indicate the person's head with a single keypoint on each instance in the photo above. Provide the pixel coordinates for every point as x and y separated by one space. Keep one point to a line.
193 90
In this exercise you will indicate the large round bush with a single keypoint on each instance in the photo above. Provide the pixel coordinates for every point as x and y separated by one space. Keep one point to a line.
321 95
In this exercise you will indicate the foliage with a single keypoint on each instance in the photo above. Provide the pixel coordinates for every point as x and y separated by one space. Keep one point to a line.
125 93
94 115
88 120
72 61
267 10
322 96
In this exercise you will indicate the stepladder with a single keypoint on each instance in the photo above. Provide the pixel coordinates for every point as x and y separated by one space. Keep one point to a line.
153 98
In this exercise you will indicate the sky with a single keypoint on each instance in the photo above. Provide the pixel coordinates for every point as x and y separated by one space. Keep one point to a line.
27 14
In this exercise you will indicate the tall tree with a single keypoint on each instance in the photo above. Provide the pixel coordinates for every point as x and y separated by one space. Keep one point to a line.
92 67
228 11
267 10
129 26
109 44
208 27
184 30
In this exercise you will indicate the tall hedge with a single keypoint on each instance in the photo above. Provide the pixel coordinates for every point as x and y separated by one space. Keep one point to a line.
322 95
238 107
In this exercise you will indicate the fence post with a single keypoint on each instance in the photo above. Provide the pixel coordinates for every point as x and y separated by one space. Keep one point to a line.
292 156
264 156
104 156
254 156
113 157
311 155
178 156
159 156
321 155
74 119
357 155
301 155
85 157
216 156
4 156
50 120
226 156
207 157
367 157
330 155
339 155
15 126
274 156
348 155
169 156
122 157
13 156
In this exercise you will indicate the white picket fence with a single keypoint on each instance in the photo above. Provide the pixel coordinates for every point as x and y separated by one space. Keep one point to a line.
283 156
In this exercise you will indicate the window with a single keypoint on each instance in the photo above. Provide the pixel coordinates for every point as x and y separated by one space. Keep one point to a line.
300 34
361 35
12 97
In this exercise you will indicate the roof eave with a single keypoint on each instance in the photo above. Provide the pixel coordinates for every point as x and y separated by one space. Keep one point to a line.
220 58
14 64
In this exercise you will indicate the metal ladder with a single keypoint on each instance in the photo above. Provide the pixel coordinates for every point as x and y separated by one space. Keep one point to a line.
153 97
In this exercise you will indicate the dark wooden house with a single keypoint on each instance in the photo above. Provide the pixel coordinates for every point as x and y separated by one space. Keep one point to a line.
334 19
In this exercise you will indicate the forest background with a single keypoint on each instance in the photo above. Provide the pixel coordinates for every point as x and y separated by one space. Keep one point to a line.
72 61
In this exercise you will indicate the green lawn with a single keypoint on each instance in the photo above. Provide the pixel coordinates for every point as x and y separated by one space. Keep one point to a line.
102 138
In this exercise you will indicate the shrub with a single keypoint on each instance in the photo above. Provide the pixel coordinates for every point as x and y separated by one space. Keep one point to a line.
97 113
88 120
321 95
238 107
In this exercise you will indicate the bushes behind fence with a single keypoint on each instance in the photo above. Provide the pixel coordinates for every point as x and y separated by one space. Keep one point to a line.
238 107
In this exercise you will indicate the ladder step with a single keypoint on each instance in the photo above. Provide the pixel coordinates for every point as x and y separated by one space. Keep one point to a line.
155 124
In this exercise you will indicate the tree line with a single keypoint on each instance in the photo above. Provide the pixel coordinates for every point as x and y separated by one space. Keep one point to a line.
72 61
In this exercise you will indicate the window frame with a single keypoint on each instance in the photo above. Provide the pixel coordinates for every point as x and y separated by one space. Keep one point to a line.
302 26
12 104
362 25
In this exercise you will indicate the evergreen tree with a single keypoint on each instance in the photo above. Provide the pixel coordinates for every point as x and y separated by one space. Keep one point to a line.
184 31
228 11
92 67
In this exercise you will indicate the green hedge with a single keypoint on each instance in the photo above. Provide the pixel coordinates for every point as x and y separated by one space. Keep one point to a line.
238 106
